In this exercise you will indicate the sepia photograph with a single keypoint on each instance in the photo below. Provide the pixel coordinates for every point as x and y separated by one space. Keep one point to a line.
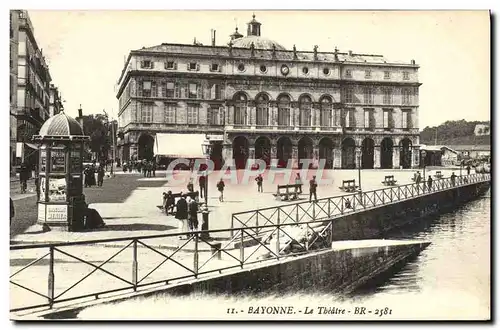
250 165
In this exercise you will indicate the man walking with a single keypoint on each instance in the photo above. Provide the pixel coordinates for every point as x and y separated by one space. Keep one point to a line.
181 214
259 180
453 176
429 183
298 181
23 177
220 187
202 184
100 176
312 188
468 169
192 214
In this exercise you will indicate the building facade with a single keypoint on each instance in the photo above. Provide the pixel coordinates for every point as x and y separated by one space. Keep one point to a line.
266 102
14 45
55 101
32 90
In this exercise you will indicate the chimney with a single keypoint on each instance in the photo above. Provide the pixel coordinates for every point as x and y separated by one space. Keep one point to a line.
213 38
413 62
350 53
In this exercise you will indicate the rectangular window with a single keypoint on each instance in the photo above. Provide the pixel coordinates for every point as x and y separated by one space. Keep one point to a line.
369 119
193 66
368 95
214 115
387 118
387 96
168 89
170 65
192 113
154 90
170 113
193 91
214 67
146 89
349 95
406 96
406 75
215 92
349 118
368 74
146 64
387 75
406 119
146 113
348 73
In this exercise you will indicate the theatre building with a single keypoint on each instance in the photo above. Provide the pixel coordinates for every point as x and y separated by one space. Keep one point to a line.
256 99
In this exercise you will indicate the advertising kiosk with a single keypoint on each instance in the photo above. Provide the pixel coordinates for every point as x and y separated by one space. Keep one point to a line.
60 172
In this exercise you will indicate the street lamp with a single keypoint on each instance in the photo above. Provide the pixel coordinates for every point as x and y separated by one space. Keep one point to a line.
424 153
207 150
358 154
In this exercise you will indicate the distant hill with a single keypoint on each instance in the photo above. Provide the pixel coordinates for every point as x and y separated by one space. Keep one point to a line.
457 132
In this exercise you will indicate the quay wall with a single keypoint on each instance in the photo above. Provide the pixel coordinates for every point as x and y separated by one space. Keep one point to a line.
373 223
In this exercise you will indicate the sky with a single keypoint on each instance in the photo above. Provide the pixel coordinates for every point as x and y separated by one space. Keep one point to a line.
86 50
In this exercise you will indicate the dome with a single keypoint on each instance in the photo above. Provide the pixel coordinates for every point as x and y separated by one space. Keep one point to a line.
258 41
60 125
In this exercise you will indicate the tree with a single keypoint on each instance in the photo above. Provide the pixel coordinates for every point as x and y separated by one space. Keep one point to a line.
94 127
480 131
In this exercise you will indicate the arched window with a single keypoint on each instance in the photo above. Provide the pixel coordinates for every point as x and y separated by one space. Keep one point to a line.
283 111
305 111
240 109
326 112
263 110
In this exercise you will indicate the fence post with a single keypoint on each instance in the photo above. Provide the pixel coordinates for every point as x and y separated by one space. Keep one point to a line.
331 232
314 212
51 278
195 266
278 238
242 250
329 211
307 237
232 225
134 266
256 222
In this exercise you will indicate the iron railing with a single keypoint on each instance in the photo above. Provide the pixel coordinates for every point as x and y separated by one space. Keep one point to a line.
330 207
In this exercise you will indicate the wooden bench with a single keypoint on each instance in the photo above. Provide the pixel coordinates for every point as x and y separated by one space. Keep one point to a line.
389 180
438 175
290 193
348 185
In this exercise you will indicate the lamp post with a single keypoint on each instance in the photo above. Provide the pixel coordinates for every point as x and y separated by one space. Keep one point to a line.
423 160
207 149
358 154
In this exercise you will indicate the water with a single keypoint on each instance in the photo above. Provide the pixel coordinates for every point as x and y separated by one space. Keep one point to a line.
448 280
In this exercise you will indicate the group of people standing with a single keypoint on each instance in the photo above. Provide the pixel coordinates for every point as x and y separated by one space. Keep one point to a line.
148 168
186 213
90 172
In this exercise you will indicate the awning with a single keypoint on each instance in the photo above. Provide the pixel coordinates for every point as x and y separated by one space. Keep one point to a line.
179 145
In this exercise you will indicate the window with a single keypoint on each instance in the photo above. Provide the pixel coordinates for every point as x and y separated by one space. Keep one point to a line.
263 69
214 115
154 90
170 113
193 66
215 92
326 112
305 111
387 118
168 89
368 74
406 119
369 119
305 70
262 110
240 110
146 64
326 71
145 88
387 99
349 95
214 67
349 118
192 113
387 75
146 113
170 65
406 96
368 95
241 67
406 75
348 73
284 111
193 91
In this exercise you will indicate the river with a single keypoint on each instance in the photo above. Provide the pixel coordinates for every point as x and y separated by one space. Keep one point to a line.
448 280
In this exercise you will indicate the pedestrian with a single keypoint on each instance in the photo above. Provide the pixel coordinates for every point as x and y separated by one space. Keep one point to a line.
153 168
149 168
312 188
181 215
453 176
192 214
202 183
23 177
468 169
100 176
298 181
37 185
190 186
259 180
12 211
92 175
429 183
220 187
168 202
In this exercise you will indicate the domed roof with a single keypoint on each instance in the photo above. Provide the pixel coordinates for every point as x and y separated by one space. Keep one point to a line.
258 41
60 125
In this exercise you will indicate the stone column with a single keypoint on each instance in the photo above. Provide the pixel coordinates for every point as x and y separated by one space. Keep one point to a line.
295 113
227 151
315 156
376 157
337 157
358 153
415 156
253 114
295 155
274 151
395 157
228 110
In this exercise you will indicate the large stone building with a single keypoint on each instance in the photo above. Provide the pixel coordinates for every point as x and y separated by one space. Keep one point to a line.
263 101
29 86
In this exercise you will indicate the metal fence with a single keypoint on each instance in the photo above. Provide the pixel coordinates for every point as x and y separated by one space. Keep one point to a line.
331 207
48 275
